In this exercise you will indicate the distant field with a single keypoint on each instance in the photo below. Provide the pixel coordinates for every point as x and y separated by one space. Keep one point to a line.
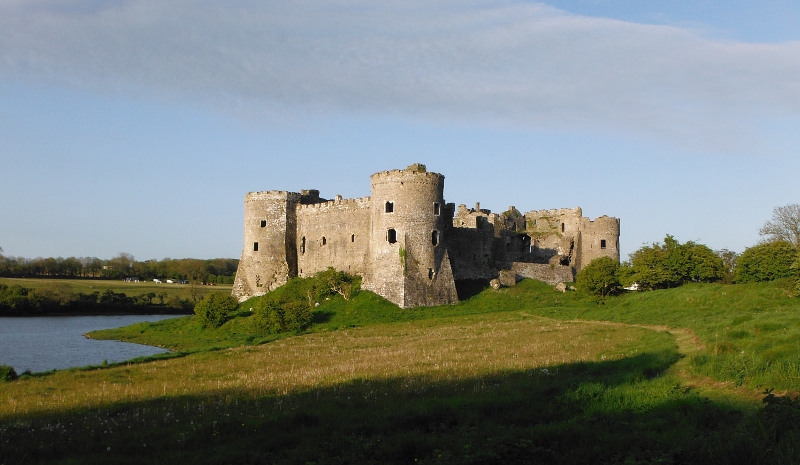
87 286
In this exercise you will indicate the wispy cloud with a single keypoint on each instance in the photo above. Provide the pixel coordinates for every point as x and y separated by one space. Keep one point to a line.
486 62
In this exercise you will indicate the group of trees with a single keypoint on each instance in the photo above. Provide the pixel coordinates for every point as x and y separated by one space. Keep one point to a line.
216 271
671 264
17 300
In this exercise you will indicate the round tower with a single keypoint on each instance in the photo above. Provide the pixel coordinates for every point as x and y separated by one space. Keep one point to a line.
268 257
407 238
599 238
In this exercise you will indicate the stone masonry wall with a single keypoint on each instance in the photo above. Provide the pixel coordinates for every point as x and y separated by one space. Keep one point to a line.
551 274
344 226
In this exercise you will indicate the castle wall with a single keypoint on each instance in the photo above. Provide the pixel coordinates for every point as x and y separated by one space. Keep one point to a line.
345 226
551 274
269 257
471 252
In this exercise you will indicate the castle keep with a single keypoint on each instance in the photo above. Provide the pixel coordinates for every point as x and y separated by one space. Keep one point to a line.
407 244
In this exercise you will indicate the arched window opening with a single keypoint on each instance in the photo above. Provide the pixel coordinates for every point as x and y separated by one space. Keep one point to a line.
435 237
389 207
391 236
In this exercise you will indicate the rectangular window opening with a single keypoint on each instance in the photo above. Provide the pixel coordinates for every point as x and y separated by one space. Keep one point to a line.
391 236
602 243
430 273
389 207
263 223
436 210
352 237
255 246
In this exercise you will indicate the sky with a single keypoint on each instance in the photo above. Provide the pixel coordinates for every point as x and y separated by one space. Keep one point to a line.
138 126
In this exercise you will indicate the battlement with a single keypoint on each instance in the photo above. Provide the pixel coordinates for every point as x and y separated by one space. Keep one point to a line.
414 173
337 202
271 195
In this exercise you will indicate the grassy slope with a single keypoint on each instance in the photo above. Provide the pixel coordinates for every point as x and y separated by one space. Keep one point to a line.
751 331
506 376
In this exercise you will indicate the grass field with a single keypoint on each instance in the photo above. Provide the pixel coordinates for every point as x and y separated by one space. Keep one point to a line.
518 375
88 286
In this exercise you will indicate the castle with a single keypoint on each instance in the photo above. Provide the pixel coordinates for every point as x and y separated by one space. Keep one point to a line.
407 244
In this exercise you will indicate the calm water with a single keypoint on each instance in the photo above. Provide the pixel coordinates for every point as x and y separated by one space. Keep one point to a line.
45 343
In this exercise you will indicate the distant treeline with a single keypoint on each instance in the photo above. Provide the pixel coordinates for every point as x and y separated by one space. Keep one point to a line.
21 301
216 270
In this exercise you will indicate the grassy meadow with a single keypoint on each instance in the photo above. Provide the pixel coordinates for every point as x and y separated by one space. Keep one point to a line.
516 375
88 286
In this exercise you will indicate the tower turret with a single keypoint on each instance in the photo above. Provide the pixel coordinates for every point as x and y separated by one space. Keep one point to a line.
408 261
269 256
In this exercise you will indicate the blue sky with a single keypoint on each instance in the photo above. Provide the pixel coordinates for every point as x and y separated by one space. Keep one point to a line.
138 126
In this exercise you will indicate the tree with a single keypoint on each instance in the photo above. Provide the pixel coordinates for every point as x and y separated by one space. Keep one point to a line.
215 309
7 374
784 226
599 278
661 266
766 262
729 259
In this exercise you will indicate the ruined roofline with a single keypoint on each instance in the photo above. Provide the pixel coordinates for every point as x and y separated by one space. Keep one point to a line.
577 211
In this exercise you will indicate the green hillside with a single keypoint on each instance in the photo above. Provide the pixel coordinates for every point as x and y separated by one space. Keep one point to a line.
516 375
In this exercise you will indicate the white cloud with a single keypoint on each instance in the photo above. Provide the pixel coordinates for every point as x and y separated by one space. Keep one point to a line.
487 62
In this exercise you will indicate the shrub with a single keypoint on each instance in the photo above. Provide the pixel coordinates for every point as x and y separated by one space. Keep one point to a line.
766 262
661 266
290 307
7 374
215 309
275 314
599 278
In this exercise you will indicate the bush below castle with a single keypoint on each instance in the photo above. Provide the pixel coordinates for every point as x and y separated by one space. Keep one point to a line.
291 306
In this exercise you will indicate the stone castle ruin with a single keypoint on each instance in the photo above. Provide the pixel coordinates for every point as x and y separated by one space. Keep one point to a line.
407 244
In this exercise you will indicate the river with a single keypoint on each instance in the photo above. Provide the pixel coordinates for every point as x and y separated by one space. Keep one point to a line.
57 342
